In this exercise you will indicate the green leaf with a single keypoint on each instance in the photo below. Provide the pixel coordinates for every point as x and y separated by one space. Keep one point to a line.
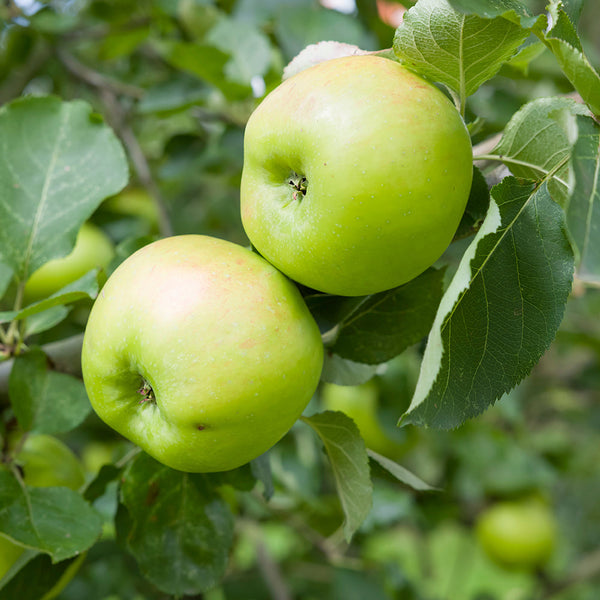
54 520
501 310
477 206
40 577
56 166
459 50
181 529
248 47
513 10
399 472
387 323
6 275
538 140
261 469
84 287
564 43
205 62
45 401
329 310
583 213
348 458
345 372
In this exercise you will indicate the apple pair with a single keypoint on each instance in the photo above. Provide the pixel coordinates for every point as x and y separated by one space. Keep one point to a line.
356 174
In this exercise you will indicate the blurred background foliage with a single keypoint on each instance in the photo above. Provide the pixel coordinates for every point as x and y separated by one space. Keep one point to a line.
177 80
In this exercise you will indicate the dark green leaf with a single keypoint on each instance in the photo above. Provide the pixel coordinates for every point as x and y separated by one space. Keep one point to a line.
180 529
261 469
348 458
583 214
56 166
513 10
477 206
385 324
501 310
45 401
54 520
40 577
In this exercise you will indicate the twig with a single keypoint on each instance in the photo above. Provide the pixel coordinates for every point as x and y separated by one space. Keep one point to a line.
64 354
587 568
96 79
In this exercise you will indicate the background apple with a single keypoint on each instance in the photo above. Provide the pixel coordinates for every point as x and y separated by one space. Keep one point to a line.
132 203
200 352
518 534
93 248
46 462
356 175
360 403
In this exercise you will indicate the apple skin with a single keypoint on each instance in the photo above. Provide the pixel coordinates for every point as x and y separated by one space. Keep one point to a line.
225 341
518 534
93 248
388 167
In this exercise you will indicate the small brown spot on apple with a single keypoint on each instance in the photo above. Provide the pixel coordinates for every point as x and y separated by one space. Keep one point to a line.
200 427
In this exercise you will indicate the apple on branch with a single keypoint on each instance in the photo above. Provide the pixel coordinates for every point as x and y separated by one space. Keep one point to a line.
356 175
201 353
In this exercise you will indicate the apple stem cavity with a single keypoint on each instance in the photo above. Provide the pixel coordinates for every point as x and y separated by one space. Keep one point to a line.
146 392
299 184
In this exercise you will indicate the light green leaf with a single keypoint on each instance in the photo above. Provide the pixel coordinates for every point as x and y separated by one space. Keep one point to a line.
205 62
248 47
400 473
57 164
345 372
564 43
45 401
54 520
501 310
84 287
459 50
180 529
348 458
583 213
538 140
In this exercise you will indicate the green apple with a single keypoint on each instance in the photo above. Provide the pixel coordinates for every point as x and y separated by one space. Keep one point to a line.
134 202
360 403
201 353
356 175
48 462
93 248
45 462
518 534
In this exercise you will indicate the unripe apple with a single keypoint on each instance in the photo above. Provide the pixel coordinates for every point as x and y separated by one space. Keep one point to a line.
518 534
360 403
356 175
93 248
200 352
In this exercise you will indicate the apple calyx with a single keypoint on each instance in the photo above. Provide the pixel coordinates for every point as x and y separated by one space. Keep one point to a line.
146 392
299 184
